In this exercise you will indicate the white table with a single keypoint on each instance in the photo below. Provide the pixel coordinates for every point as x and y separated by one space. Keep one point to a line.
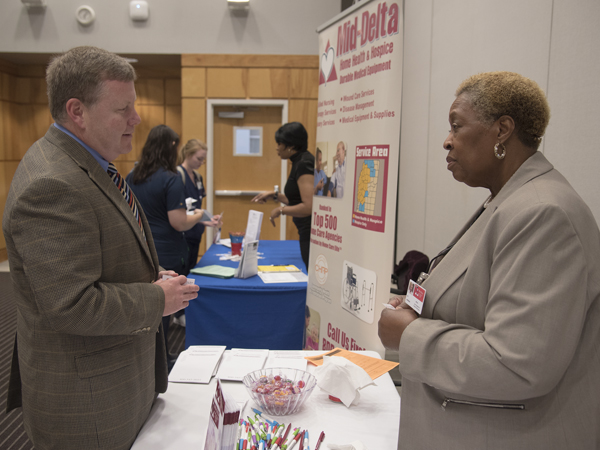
179 418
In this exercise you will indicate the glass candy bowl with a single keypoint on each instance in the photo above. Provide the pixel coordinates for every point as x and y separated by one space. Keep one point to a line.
279 391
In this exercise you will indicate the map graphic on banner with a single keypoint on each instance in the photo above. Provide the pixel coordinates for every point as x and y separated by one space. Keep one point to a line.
356 176
369 187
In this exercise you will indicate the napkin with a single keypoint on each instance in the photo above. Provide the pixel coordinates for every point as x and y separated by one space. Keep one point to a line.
356 445
342 378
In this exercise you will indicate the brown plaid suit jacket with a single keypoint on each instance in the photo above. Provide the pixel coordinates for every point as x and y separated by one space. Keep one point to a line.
91 350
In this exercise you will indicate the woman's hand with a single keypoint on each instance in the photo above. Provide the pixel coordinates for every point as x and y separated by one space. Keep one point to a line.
263 197
399 302
392 323
275 214
214 222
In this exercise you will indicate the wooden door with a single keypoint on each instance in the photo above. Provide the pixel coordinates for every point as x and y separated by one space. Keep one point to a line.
245 173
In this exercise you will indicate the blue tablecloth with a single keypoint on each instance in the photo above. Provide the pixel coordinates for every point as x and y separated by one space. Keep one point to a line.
248 313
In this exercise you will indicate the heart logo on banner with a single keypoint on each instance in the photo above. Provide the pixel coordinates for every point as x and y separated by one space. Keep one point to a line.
327 63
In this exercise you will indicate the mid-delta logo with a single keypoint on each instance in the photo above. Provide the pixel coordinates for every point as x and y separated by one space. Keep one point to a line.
373 26
328 72
321 269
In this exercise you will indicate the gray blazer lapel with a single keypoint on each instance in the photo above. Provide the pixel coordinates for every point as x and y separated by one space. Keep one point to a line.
87 163
457 261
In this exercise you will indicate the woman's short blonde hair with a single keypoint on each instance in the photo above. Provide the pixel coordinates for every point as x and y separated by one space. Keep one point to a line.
191 147
495 94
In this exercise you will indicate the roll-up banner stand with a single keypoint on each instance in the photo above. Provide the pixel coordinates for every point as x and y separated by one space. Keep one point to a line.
356 174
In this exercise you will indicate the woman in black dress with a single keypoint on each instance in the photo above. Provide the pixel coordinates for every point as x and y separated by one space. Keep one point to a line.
292 144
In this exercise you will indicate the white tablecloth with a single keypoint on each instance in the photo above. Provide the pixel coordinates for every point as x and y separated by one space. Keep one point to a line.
179 417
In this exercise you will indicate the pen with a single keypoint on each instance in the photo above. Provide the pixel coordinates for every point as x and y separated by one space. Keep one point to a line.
239 435
287 432
273 423
277 438
281 440
321 437
252 425
295 441
306 446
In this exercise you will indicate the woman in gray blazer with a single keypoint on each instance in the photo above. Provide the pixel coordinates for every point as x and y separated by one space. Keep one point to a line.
506 353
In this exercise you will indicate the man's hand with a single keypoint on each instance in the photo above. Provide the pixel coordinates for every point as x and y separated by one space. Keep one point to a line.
170 273
177 293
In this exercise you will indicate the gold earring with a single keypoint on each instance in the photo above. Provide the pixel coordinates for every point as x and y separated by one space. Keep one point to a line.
499 155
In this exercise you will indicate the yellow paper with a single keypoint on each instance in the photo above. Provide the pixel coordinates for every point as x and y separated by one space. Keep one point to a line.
289 268
375 367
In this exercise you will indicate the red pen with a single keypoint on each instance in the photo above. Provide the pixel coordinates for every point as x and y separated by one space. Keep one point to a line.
321 437
296 439
287 432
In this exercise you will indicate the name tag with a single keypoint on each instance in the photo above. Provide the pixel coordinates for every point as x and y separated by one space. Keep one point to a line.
415 296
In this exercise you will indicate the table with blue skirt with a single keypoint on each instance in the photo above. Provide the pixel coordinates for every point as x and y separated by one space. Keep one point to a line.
247 313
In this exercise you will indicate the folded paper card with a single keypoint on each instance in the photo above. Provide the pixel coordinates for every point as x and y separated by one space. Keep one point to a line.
214 271
342 378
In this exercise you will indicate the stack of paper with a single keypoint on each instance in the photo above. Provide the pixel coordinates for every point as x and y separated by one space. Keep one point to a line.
274 268
196 364
237 363
286 359
249 262
283 277
223 421
214 271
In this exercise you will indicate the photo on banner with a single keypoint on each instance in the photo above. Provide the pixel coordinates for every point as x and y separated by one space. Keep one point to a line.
356 175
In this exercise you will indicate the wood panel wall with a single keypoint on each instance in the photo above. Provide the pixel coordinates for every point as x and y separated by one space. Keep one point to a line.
24 115
290 77
171 95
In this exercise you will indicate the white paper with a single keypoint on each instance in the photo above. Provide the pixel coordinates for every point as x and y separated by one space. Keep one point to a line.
237 363
286 359
283 277
196 364
249 262
253 226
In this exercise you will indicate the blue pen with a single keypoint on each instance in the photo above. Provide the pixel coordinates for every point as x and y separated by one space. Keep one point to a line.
306 446
273 423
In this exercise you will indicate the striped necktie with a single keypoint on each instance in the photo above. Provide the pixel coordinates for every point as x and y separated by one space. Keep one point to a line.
126 191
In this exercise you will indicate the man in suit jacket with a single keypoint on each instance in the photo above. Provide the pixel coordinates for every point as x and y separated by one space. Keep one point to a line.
89 290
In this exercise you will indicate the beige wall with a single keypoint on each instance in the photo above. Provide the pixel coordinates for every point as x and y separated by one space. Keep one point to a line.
554 43
288 77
